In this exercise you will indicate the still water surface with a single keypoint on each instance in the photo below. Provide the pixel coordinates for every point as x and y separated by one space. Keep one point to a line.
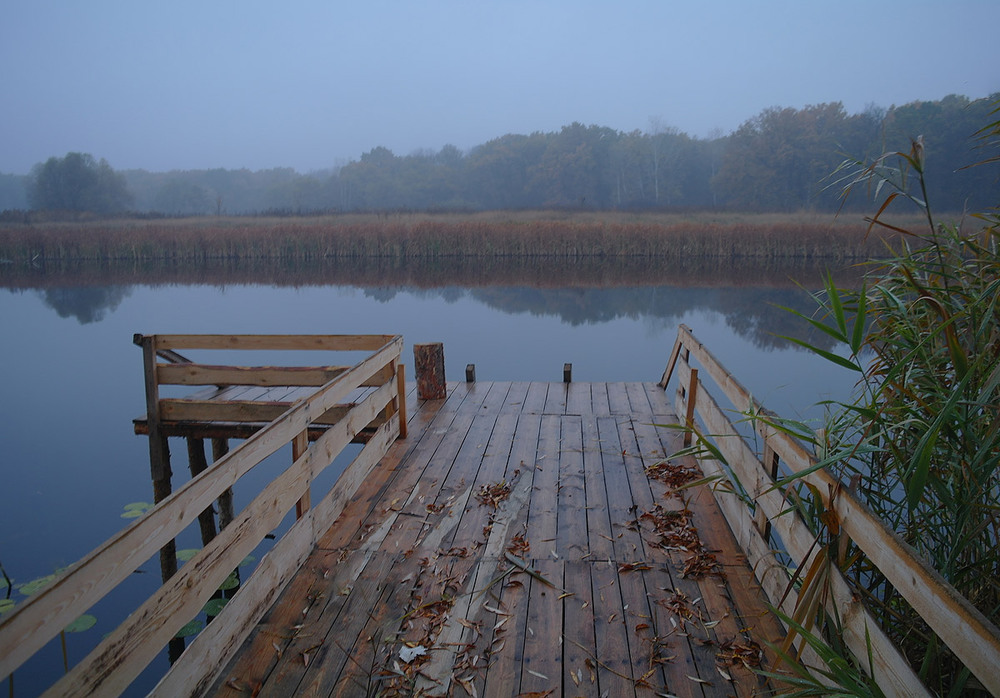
72 379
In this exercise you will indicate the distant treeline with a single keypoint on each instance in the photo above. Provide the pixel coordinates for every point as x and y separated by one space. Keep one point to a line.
779 160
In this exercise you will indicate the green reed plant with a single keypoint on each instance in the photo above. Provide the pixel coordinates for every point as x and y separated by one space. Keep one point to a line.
921 435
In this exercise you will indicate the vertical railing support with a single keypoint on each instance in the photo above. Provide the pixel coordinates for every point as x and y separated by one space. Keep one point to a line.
692 397
300 444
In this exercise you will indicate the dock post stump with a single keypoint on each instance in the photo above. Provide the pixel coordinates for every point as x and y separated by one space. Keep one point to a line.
428 362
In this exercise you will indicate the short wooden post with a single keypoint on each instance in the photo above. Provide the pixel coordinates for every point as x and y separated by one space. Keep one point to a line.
428 362
470 373
567 373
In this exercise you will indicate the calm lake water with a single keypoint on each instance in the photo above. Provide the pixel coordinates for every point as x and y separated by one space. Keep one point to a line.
72 379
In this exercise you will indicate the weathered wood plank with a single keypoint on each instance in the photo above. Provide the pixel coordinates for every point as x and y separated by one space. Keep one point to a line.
578 399
579 639
628 544
206 374
637 399
599 399
542 520
613 656
618 399
555 398
516 396
541 667
329 342
534 401
599 531
572 540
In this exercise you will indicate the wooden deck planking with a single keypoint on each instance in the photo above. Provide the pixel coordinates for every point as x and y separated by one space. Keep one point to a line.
418 559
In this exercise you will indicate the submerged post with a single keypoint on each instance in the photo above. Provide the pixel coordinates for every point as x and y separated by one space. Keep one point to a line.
428 362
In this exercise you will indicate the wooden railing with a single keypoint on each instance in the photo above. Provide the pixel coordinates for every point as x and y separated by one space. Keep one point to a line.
967 632
125 652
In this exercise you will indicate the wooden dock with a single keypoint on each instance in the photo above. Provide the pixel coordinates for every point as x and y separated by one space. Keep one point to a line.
523 540
507 539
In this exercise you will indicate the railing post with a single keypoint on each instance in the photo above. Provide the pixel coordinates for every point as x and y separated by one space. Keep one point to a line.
401 398
692 397
300 444
770 463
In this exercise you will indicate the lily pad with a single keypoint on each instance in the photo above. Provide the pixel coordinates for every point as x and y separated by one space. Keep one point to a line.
7 605
84 622
192 628
214 606
187 553
248 560
231 582
36 585
135 509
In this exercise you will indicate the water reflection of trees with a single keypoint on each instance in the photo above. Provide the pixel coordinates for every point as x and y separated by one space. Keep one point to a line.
587 291
87 304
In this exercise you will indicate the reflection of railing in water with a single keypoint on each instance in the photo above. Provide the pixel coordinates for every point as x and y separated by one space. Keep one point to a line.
973 638
127 650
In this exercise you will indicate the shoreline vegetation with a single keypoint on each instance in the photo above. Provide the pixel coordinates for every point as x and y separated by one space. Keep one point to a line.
566 235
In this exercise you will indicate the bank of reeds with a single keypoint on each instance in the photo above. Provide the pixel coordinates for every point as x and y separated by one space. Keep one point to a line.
920 441
411 236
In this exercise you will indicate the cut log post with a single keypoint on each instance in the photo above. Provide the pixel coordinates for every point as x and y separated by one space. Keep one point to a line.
428 361
567 373
470 373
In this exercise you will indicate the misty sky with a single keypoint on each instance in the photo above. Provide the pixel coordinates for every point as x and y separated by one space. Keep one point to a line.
314 83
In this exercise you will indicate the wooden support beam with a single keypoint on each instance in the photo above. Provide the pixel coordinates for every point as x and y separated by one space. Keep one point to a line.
220 447
198 464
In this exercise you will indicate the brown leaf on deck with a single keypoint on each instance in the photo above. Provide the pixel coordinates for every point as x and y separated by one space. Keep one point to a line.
673 475
492 495
737 652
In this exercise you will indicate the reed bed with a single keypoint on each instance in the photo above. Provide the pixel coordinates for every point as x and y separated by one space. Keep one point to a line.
427 236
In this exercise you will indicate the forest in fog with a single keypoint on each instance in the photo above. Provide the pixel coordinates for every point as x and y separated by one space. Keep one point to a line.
782 159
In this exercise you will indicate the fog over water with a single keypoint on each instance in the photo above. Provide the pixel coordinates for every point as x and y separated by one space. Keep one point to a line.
308 85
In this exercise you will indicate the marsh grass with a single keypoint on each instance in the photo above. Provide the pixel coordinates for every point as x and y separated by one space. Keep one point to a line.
920 438
568 235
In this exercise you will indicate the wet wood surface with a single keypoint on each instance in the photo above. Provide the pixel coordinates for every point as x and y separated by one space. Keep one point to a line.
526 539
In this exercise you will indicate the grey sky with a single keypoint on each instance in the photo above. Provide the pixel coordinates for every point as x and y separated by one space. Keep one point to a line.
308 84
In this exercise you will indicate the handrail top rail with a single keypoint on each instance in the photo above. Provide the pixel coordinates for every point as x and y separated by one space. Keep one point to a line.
297 342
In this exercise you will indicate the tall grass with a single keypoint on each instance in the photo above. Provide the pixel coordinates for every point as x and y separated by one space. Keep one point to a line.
407 236
921 436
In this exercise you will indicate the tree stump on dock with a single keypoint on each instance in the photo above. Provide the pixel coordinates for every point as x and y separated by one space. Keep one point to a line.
428 362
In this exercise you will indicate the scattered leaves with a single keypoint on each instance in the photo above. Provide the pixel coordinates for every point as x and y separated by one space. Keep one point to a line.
673 475
492 495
